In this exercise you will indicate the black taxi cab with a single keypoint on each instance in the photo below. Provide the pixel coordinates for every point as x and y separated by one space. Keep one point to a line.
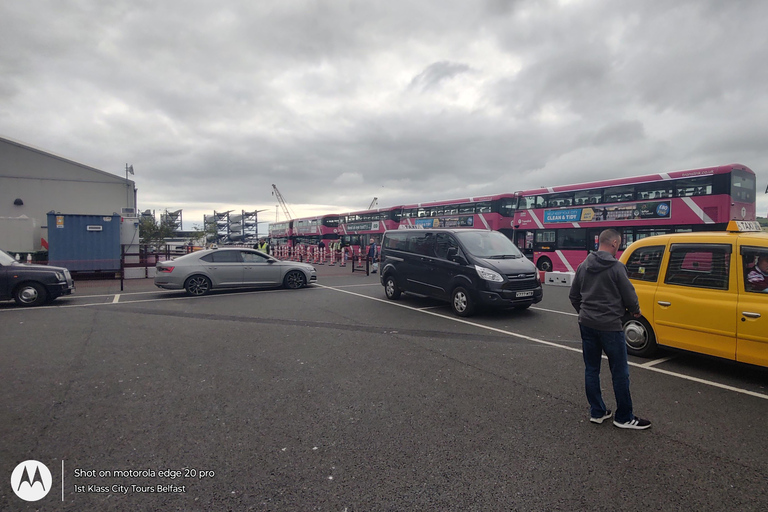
704 292
32 285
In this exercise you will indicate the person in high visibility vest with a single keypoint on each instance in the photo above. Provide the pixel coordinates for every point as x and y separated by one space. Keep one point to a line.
263 246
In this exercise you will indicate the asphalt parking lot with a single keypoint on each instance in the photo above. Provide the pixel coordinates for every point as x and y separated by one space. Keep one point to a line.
333 398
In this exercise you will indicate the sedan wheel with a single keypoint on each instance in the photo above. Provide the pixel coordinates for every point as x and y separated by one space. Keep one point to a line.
197 285
295 279
30 294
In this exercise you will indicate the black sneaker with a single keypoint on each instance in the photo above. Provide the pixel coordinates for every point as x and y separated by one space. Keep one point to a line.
601 419
634 424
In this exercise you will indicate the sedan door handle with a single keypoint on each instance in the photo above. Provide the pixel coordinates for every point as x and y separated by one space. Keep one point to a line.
663 303
749 314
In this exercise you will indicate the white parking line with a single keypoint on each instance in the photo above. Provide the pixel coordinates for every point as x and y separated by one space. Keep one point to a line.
656 361
555 345
116 299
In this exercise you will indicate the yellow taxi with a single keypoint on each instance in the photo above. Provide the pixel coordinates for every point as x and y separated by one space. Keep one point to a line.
706 292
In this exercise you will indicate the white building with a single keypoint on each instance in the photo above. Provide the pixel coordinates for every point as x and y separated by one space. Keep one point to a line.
34 182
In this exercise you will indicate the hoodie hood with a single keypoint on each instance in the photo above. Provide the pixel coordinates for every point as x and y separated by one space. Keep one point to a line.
599 261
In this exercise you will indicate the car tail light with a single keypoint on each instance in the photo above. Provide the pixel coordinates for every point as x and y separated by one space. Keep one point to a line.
165 269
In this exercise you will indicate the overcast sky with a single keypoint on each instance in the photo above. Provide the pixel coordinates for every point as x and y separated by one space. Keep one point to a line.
338 102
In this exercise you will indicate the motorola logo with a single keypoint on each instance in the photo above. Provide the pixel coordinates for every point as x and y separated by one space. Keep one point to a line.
31 480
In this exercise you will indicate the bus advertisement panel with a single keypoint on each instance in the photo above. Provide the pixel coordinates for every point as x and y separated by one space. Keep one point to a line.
558 226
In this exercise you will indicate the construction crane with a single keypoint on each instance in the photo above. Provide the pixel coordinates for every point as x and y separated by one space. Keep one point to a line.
375 202
283 204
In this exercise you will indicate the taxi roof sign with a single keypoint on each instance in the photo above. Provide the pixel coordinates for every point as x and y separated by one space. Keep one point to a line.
743 226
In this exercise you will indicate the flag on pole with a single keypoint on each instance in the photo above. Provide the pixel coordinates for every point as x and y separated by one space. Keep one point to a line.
129 169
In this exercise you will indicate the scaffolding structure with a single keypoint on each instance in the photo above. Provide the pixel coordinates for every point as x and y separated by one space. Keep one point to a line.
231 228
172 218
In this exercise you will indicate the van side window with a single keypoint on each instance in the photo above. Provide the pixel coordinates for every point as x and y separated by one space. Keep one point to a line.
644 263
421 243
443 242
699 266
397 241
755 266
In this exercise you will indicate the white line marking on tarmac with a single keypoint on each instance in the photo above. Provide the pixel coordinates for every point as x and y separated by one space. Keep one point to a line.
555 345
656 361
116 299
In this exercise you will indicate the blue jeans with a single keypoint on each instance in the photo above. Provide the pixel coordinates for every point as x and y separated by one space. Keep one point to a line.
594 343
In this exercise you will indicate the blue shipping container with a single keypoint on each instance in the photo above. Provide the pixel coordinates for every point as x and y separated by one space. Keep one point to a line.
85 243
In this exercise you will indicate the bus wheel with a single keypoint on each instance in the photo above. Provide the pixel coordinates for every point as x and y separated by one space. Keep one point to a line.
544 264
641 341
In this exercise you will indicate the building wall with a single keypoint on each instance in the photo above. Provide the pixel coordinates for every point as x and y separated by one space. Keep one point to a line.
46 182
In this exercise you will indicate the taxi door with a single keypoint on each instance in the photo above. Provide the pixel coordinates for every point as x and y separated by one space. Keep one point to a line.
752 311
694 307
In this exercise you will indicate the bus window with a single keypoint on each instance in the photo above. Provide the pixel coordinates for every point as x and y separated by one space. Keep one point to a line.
572 238
655 191
619 194
694 187
530 202
547 236
483 207
556 200
742 187
467 208
507 206
588 197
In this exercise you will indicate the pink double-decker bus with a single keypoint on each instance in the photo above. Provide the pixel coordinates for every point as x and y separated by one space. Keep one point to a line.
487 212
310 230
280 233
557 227
356 229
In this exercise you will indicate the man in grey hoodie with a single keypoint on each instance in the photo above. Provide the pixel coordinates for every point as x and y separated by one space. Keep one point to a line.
602 295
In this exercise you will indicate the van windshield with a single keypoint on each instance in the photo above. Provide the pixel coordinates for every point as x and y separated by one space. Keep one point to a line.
488 244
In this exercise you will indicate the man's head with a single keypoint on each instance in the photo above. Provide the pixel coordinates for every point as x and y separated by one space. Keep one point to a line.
609 241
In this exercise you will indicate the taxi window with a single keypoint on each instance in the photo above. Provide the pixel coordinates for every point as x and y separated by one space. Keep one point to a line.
699 265
755 265
644 263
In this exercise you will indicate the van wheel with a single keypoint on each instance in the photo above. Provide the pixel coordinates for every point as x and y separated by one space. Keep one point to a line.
544 264
462 302
639 336
391 289
197 285
30 294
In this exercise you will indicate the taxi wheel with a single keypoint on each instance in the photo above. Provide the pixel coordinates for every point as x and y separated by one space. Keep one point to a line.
462 302
641 341
30 294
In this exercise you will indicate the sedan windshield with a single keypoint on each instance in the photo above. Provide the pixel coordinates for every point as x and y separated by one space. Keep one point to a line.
488 244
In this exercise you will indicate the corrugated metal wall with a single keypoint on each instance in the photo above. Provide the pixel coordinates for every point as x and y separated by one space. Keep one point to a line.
85 243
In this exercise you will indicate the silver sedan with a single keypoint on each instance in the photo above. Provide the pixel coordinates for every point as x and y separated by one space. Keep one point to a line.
200 272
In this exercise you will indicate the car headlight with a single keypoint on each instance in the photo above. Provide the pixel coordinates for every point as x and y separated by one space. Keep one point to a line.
59 276
488 274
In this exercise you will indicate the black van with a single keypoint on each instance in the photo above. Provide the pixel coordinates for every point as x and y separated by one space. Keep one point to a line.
467 267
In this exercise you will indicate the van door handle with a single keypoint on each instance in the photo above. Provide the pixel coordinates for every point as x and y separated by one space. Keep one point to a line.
663 303
750 315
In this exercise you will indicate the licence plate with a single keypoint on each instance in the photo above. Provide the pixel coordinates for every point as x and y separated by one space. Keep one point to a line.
528 293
